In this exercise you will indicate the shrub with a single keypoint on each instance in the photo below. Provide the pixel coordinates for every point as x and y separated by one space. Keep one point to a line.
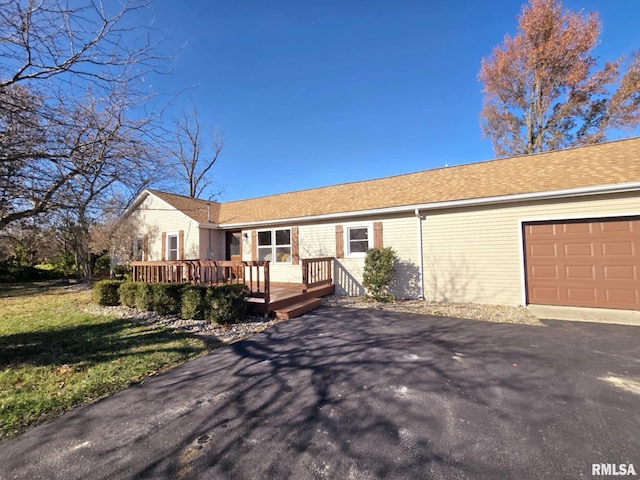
225 303
121 272
378 273
193 305
167 298
144 296
105 292
102 265
128 292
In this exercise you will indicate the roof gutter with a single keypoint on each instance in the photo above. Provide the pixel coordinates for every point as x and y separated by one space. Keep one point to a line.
520 197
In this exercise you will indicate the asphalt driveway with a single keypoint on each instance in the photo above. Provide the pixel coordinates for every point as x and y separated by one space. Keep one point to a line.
364 394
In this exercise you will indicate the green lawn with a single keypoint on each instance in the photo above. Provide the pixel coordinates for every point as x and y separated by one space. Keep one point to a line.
54 356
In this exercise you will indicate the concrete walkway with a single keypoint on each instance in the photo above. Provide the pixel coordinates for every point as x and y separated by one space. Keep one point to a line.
582 314
363 394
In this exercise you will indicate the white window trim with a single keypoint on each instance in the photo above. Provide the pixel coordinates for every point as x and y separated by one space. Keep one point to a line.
347 244
273 246
167 246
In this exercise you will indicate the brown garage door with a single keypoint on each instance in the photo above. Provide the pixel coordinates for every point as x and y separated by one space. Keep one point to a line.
594 263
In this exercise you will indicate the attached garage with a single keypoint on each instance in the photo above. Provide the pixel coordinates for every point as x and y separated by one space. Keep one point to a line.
584 263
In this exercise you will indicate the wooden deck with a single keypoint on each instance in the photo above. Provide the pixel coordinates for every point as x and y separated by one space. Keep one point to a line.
285 295
285 300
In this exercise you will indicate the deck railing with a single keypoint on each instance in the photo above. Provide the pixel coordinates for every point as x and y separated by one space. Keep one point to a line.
254 274
317 271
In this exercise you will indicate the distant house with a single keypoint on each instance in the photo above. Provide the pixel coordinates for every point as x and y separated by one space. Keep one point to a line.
560 228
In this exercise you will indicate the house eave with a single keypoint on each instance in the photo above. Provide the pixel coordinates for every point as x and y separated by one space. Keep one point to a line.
424 207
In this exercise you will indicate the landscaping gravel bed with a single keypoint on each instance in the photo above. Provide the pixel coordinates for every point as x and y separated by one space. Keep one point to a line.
224 333
473 311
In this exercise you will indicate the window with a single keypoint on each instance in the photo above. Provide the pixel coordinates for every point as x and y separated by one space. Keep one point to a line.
172 246
357 241
275 245
138 249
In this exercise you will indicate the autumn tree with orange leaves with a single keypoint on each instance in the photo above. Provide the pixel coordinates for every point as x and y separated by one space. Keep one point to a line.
543 90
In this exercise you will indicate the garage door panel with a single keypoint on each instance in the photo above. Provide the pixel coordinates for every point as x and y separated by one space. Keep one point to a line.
617 248
620 272
541 230
545 272
582 295
543 250
578 249
582 272
584 263
547 294
616 226
580 228
629 296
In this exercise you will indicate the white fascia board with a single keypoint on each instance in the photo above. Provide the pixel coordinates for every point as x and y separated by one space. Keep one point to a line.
136 202
520 197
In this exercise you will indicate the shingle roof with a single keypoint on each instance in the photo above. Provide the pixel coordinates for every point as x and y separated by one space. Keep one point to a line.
602 164
201 211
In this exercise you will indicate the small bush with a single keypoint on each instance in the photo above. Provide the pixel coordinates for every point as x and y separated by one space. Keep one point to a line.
167 298
226 303
378 273
144 296
102 265
128 292
106 292
121 272
193 305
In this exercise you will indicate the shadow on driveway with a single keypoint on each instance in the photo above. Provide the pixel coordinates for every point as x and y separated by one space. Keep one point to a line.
363 394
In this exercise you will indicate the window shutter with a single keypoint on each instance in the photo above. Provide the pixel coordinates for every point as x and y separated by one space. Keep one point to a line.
339 242
254 246
163 253
295 254
145 248
377 235
181 245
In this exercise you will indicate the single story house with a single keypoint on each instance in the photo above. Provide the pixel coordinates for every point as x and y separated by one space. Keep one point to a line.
558 228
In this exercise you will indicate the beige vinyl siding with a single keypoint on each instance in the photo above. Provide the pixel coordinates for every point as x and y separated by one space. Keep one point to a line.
475 254
401 233
212 244
319 240
161 217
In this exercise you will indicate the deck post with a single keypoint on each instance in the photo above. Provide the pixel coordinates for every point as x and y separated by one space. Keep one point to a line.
266 285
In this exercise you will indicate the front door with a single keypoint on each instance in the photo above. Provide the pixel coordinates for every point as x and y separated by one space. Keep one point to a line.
234 243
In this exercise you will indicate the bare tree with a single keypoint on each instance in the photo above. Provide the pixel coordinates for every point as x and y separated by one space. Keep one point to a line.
48 39
195 160
72 119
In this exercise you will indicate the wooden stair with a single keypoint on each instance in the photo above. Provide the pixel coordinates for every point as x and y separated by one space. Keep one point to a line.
297 309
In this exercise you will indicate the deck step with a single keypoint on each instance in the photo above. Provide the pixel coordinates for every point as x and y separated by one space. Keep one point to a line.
297 309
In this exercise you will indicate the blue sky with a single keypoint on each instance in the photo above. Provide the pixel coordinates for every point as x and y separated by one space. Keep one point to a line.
317 93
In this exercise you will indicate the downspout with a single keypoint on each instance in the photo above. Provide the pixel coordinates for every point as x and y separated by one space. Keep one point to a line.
420 257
